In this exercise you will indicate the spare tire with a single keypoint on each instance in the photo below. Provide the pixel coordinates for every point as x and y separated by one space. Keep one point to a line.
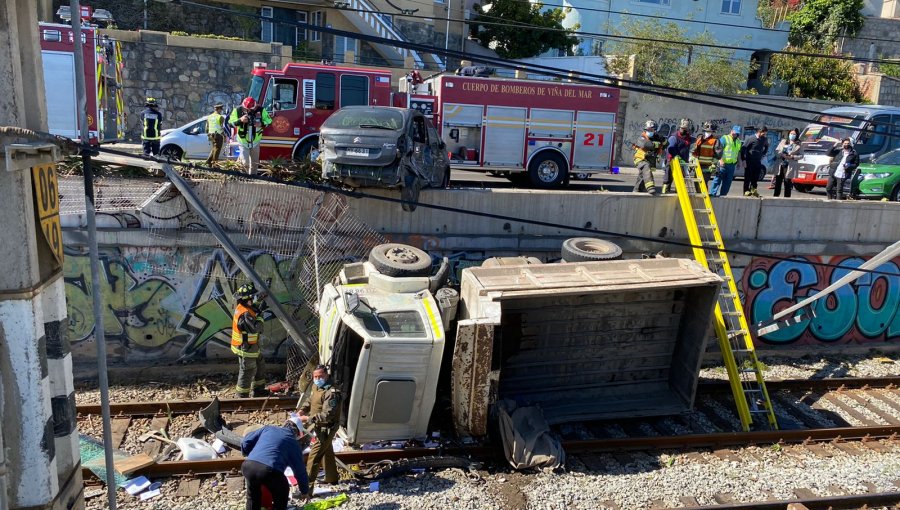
393 259
584 249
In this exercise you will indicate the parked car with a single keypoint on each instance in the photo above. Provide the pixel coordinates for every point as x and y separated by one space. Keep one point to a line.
879 179
384 147
190 142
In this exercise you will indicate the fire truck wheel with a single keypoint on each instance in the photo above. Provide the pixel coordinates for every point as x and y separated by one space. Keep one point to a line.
585 249
394 259
803 188
303 150
547 170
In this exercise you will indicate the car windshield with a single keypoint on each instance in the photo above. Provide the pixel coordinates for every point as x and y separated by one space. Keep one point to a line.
888 158
365 118
818 132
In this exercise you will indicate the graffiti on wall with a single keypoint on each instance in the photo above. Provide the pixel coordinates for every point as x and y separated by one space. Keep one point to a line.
162 314
864 312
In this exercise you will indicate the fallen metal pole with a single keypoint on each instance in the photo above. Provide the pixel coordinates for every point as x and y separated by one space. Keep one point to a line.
90 215
286 320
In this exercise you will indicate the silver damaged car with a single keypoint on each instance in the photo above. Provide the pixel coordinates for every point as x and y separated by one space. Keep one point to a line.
384 147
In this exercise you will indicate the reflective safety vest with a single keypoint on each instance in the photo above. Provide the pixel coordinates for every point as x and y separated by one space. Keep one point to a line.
150 120
706 151
249 134
215 123
237 336
731 149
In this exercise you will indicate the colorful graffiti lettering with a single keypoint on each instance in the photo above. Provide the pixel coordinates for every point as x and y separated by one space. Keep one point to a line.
864 312
152 310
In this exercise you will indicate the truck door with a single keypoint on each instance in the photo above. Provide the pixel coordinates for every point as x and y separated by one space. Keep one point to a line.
593 141
504 137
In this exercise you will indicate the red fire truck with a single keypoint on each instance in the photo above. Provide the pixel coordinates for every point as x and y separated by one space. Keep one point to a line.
103 83
301 96
530 131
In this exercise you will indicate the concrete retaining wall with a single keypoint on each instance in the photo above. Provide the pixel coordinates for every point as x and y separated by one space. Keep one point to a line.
158 315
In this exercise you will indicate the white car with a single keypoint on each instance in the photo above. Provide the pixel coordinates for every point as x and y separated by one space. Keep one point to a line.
190 142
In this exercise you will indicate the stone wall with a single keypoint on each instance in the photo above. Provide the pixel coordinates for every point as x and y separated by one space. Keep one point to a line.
171 17
187 75
878 37
881 89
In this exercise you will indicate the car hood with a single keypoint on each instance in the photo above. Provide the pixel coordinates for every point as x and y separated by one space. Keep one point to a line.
874 168
380 146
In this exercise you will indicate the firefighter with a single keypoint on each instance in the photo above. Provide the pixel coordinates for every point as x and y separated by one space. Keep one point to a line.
246 326
707 150
679 147
215 131
646 153
250 119
151 119
321 412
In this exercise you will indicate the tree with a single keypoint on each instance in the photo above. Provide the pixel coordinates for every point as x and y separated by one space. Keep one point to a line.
815 77
511 32
821 22
656 61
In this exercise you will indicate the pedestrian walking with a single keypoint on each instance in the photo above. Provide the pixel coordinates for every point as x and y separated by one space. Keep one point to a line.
680 145
269 451
847 162
250 119
322 412
151 130
246 326
647 151
787 156
731 153
707 150
753 153
215 131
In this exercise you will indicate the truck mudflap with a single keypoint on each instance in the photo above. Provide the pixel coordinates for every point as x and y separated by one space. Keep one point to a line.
473 379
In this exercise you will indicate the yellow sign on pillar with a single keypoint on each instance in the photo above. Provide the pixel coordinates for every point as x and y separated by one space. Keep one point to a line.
46 198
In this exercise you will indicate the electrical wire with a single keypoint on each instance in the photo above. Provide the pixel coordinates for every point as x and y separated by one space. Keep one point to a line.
602 80
362 195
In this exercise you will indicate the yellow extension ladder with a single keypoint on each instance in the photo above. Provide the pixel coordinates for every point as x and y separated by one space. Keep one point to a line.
735 342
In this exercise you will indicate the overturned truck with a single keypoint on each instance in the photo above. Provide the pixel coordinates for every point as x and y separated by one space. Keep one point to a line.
584 340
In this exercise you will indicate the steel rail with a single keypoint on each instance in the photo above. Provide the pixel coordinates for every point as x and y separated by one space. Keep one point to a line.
692 441
289 402
888 499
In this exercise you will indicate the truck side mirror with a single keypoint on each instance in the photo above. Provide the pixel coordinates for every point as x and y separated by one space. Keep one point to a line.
454 134
352 301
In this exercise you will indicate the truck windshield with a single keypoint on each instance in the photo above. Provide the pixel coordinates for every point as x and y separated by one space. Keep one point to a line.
817 132
394 324
256 85
365 118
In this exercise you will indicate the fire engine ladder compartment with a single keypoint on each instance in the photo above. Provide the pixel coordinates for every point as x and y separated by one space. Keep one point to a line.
595 340
744 371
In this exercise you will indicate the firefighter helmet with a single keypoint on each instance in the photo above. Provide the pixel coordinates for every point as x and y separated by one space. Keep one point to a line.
249 103
650 124
686 124
245 291
151 101
710 126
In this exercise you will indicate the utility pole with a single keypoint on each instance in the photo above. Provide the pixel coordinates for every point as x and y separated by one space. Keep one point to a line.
447 35
90 214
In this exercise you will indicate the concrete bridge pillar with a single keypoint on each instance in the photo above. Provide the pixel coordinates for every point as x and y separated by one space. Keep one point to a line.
40 466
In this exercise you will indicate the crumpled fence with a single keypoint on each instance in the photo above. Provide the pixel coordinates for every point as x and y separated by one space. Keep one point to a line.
527 441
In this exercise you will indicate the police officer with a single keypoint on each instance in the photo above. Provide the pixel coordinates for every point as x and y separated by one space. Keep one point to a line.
321 413
250 119
646 153
246 326
151 120
215 131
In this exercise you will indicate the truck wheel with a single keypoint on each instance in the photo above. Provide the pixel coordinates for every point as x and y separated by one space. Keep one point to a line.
394 259
547 170
803 188
301 153
585 249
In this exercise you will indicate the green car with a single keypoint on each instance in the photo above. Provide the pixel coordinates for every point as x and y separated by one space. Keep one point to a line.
880 179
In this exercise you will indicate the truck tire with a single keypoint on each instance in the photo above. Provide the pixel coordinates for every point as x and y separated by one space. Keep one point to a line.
394 259
548 170
301 153
803 188
585 249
